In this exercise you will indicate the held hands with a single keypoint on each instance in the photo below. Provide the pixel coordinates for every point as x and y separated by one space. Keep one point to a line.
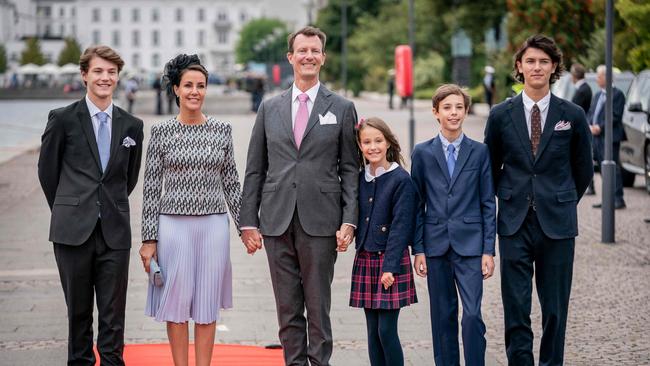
344 237
420 265
252 239
147 251
387 280
487 266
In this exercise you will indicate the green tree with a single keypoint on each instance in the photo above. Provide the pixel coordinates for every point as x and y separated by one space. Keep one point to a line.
3 59
32 53
253 46
70 53
636 15
569 22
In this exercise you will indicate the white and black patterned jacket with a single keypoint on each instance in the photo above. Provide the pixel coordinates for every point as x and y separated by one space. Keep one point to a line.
190 170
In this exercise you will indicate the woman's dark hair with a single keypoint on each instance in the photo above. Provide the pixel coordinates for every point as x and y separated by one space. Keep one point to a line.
176 67
546 45
393 154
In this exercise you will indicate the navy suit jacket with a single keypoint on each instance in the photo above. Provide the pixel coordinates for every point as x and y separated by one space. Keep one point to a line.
457 211
582 97
387 209
618 104
554 180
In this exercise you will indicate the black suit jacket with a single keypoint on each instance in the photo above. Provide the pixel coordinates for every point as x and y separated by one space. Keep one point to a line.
582 97
554 180
70 174
618 104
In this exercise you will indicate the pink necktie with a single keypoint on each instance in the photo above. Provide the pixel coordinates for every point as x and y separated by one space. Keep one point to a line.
302 117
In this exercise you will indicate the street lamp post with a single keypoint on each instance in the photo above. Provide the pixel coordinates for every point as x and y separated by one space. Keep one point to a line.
344 47
608 166
411 102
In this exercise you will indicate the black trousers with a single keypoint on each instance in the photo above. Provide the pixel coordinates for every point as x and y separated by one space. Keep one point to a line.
85 270
523 254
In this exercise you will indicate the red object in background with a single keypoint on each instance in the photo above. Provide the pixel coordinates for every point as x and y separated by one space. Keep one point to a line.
404 70
276 74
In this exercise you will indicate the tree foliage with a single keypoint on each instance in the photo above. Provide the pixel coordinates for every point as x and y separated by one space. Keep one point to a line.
569 22
32 53
70 53
636 15
252 44
3 59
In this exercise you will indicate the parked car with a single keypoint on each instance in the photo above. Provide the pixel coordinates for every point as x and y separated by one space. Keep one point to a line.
635 152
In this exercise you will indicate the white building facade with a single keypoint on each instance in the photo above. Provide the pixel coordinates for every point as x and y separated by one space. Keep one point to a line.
146 33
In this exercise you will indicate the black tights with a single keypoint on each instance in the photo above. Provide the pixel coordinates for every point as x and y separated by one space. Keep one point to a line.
384 347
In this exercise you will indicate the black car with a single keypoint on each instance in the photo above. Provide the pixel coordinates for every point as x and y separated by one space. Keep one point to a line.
635 152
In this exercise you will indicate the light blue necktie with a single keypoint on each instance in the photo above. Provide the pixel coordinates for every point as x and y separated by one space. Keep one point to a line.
451 159
599 107
103 139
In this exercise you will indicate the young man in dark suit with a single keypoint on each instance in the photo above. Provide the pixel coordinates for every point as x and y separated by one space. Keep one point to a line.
540 147
596 120
454 242
88 165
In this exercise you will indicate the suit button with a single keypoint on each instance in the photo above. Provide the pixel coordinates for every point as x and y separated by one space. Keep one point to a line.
98 203
367 219
293 185
527 198
370 199
449 195
383 228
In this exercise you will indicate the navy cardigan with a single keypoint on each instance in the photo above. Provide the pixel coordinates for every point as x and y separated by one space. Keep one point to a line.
387 212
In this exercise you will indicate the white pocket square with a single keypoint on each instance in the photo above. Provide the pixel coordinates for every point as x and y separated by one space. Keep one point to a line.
128 142
328 119
562 126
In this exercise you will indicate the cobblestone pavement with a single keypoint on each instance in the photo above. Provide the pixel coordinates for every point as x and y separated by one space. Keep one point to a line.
608 315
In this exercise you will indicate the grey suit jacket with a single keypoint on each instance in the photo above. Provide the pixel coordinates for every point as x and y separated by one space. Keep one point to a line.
319 180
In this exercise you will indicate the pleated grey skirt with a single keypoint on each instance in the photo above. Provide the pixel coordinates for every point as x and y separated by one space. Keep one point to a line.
194 257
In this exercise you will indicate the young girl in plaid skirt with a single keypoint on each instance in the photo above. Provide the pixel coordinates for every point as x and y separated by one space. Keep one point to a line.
382 280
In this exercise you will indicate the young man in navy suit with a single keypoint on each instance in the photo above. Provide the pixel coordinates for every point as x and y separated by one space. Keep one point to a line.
454 244
540 148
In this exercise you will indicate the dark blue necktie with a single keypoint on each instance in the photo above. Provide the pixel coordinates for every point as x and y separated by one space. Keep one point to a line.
103 139
451 159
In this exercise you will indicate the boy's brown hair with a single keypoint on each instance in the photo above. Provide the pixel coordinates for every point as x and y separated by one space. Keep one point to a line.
446 90
104 52
308 31
393 154
546 45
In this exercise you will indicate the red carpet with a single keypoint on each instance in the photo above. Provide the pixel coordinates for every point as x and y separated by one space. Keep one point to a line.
223 355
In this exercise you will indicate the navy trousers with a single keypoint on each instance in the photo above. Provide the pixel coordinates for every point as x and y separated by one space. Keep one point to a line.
523 254
449 275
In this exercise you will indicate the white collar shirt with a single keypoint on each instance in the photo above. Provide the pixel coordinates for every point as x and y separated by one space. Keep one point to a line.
542 104
295 103
379 171
93 110
456 143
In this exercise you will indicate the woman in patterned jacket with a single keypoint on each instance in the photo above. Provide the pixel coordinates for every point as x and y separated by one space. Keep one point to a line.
190 183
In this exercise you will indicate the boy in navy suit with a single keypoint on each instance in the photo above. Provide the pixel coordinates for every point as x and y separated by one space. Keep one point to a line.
454 244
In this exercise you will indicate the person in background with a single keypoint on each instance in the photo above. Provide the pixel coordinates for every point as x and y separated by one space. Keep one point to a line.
488 85
185 226
596 119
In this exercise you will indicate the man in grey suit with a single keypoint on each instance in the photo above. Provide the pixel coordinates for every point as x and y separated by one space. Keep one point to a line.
300 197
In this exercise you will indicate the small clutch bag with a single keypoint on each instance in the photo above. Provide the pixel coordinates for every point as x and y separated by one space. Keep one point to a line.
155 274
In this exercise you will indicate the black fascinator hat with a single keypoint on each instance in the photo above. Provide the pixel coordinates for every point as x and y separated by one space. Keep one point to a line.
175 68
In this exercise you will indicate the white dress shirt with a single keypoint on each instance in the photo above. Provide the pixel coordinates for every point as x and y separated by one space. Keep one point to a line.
456 143
542 104
295 103
93 110
379 171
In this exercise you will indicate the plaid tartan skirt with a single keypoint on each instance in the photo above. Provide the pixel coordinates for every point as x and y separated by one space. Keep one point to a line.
367 290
